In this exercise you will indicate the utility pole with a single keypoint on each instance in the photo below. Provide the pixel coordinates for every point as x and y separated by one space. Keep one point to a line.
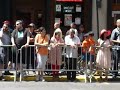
98 5
97 18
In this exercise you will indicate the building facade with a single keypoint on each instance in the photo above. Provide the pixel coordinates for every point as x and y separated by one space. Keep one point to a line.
43 12
93 14
40 12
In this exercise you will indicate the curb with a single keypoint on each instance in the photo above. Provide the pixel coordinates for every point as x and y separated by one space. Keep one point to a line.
80 78
47 78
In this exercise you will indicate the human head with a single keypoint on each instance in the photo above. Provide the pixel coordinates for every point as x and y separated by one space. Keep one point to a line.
72 25
86 36
118 23
56 25
6 22
91 34
31 26
81 28
103 34
5 27
19 24
72 33
57 35
42 31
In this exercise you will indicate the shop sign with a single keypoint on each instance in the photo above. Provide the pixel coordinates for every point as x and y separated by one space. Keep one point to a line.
68 19
78 8
58 8
68 9
77 20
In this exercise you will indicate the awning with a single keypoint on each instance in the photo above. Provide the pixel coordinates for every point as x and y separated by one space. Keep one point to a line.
69 0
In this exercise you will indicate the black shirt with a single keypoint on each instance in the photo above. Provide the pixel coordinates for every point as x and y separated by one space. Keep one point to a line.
20 37
32 35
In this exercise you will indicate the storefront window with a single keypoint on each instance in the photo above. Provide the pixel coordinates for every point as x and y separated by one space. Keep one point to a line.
116 1
70 0
67 12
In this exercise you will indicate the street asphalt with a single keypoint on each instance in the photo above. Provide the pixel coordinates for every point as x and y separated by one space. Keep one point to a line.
58 86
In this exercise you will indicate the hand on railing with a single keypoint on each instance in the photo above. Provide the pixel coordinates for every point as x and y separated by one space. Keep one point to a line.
73 46
13 45
109 46
26 45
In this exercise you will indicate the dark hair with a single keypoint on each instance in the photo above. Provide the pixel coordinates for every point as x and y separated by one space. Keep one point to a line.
72 31
102 36
86 35
41 29
20 21
91 33
31 25
81 26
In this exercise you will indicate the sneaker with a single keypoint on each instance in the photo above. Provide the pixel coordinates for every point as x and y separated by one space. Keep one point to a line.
114 76
42 79
34 72
18 74
2 78
8 73
24 73
38 78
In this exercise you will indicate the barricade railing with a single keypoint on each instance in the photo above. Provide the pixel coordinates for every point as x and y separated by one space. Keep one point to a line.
85 63
57 61
110 67
8 60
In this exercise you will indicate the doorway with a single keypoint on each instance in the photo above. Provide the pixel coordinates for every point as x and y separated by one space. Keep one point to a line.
25 16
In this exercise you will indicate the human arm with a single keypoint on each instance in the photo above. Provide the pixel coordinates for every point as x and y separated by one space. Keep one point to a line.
12 38
28 39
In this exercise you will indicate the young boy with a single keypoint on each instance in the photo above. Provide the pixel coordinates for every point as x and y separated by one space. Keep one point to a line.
85 49
91 49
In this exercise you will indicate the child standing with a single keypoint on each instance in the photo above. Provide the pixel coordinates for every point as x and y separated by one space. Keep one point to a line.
92 49
103 58
85 49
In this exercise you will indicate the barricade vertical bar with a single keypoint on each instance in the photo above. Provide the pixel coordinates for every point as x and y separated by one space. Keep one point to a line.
90 65
85 68
21 64
16 61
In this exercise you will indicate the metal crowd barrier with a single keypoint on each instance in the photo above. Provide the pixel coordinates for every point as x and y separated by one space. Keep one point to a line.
87 67
114 63
63 63
8 61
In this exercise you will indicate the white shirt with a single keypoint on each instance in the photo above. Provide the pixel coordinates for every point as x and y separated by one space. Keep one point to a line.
71 52
1 34
4 37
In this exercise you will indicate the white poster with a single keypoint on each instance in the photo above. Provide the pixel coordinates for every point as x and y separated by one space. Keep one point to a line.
67 19
77 20
58 8
57 20
78 8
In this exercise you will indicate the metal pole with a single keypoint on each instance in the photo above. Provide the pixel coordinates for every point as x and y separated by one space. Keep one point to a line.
97 14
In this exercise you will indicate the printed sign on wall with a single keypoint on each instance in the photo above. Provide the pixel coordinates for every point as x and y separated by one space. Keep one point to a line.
67 19
58 8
